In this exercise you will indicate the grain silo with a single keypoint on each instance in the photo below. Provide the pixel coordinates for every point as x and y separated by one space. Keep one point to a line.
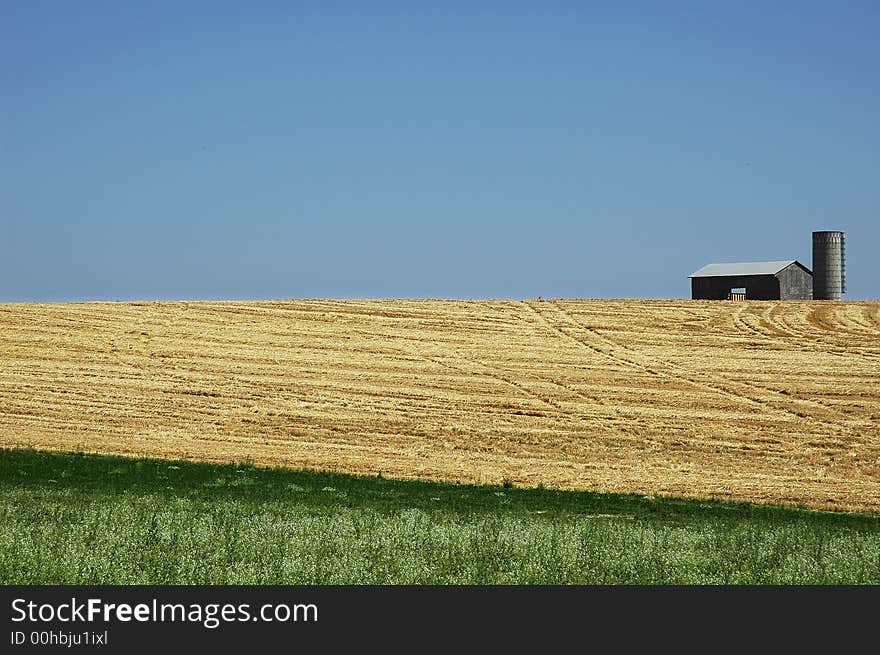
829 265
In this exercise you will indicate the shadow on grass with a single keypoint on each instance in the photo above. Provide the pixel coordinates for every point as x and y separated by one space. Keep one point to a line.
111 475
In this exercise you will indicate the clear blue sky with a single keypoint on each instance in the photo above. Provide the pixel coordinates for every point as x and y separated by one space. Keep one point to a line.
189 150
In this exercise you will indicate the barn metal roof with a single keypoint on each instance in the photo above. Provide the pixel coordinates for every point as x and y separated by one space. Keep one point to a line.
742 268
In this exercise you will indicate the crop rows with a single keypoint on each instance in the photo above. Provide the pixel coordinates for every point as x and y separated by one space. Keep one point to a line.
761 401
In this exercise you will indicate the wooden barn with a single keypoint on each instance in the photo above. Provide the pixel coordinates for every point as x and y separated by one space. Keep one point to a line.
782 280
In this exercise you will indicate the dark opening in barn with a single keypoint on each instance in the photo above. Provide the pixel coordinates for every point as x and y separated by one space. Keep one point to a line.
780 280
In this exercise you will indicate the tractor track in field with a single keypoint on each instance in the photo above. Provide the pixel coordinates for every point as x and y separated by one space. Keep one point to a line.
601 345
463 364
787 335
825 341
761 331
774 337
859 328
569 389
468 367
773 331
457 361
734 390
746 328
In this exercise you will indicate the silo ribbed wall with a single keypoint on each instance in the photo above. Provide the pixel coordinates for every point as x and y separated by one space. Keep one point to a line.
829 265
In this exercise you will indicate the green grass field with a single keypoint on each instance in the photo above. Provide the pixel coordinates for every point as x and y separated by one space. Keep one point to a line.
82 519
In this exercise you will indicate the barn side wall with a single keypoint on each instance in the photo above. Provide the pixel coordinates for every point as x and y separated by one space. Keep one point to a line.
795 283
758 287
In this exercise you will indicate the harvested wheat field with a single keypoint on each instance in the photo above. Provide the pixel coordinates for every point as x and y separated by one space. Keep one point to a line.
774 402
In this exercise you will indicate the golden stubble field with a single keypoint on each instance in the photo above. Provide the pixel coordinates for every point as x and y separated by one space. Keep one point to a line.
763 401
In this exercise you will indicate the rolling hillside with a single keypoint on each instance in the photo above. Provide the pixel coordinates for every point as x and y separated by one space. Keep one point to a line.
761 401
